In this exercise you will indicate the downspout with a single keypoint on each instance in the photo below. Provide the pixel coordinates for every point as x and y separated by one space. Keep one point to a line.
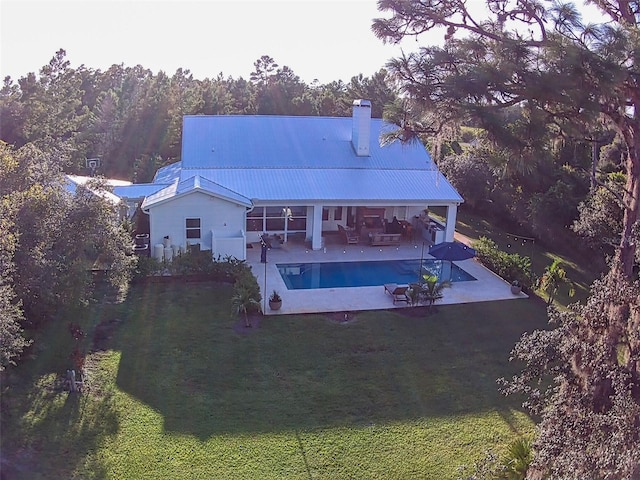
248 210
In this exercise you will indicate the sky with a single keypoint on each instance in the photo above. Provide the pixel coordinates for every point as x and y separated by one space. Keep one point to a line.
323 40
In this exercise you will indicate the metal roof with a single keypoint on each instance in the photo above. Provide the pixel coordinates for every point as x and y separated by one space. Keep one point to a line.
168 173
264 141
350 185
299 159
138 190
191 184
74 181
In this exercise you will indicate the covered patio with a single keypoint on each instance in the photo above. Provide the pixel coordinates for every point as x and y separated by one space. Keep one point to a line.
319 221
487 287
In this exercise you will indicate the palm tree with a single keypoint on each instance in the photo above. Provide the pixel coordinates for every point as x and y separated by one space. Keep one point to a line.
554 276
243 301
432 289
517 459
414 293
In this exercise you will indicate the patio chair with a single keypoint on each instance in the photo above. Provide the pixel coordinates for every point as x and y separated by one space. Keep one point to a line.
398 292
350 236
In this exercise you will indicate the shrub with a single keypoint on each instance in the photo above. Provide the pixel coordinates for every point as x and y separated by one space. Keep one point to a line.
202 263
145 267
246 287
199 263
510 266
192 262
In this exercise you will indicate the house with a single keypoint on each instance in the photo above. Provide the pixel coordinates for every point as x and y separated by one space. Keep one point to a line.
102 188
242 175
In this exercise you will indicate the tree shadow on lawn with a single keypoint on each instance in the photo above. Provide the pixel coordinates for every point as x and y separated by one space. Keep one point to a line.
305 372
48 431
68 427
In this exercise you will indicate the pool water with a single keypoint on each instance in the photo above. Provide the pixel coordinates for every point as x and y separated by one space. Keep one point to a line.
299 276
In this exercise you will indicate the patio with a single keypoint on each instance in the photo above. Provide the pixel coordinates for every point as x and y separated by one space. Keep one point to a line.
487 287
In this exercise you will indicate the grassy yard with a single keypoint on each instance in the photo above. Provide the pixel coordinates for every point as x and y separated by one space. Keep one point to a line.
177 392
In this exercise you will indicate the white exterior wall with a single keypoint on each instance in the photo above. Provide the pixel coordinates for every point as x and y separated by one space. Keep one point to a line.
219 217
361 127
450 222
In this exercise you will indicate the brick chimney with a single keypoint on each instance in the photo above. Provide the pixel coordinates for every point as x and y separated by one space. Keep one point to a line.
361 130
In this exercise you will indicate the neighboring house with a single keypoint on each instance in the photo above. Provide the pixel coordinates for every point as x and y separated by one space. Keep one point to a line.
240 176
243 175
122 194
103 188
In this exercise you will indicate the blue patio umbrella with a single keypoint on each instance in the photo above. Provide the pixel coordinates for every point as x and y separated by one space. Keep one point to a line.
451 251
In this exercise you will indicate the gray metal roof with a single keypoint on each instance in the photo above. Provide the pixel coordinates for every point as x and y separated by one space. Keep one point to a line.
138 190
264 141
350 185
193 184
299 159
168 174
72 182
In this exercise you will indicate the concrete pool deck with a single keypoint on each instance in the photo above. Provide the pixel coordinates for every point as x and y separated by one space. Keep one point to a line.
487 287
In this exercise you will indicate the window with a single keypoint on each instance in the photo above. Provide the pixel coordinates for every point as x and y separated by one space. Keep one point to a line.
255 220
325 214
193 227
338 214
275 223
277 219
274 219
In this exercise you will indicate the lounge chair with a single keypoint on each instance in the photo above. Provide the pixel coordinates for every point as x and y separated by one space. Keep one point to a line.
398 292
350 236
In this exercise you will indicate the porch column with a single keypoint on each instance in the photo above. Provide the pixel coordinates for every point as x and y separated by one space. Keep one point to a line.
316 232
309 228
450 228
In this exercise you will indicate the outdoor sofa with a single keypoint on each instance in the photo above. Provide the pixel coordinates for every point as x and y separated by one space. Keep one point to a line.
379 239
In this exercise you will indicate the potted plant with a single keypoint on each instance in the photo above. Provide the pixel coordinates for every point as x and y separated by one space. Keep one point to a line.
275 301
516 287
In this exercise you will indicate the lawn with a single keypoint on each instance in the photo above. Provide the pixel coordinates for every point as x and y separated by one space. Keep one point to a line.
175 391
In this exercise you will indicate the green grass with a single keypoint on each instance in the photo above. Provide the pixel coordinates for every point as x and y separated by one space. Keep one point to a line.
179 393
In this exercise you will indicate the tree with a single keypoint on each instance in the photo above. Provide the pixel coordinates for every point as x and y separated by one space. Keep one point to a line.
51 240
378 88
470 174
53 107
601 214
265 68
590 413
279 90
432 289
511 55
553 278
243 301
12 341
566 75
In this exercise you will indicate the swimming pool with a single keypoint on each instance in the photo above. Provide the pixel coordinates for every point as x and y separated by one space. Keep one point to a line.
299 276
